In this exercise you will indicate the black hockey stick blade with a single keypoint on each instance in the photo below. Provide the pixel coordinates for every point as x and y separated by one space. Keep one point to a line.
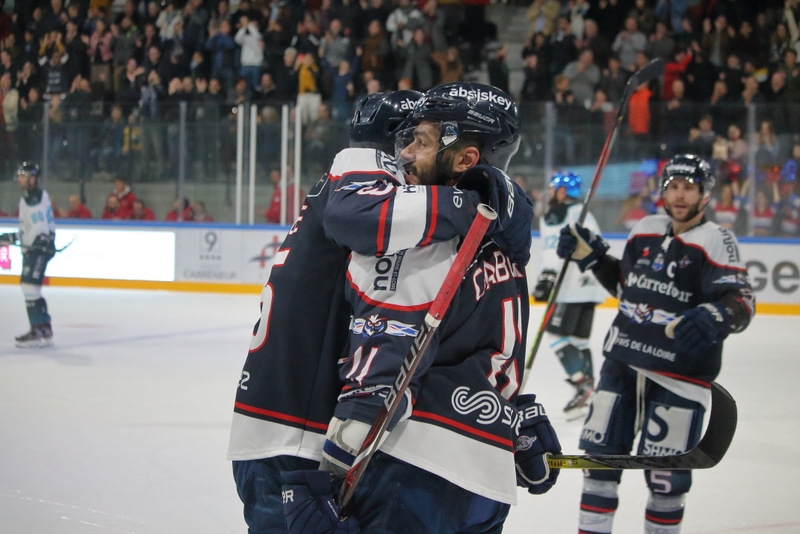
707 453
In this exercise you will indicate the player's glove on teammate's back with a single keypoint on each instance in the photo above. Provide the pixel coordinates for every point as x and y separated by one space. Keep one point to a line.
512 230
309 506
536 441
699 328
581 245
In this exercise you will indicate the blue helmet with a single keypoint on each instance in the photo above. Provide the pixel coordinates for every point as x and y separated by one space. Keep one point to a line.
29 168
569 181
474 108
379 116
691 168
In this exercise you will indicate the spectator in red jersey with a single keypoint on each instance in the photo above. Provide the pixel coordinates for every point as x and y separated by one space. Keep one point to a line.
113 210
124 194
141 212
77 210
181 210
273 213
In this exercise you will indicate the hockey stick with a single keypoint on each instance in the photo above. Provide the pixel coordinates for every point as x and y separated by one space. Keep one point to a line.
412 360
40 248
707 453
652 70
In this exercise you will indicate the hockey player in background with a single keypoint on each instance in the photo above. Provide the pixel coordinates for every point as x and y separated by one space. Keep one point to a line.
570 327
682 288
448 464
289 382
36 237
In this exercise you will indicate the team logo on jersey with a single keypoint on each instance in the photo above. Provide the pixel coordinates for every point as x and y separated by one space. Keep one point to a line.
645 252
684 262
658 263
375 325
641 313
485 403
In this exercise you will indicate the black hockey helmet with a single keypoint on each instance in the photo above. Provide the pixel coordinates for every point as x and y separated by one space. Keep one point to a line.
691 168
474 108
379 116
29 168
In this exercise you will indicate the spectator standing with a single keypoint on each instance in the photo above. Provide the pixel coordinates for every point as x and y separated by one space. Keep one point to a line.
375 52
497 67
629 42
122 190
335 47
285 76
728 204
416 57
100 53
596 42
249 38
106 155
535 84
614 79
584 76
645 16
660 44
9 121
563 47
309 92
542 15
129 86
124 44
715 40
764 209
221 47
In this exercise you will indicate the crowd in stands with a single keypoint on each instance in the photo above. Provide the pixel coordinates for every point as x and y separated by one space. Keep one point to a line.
124 71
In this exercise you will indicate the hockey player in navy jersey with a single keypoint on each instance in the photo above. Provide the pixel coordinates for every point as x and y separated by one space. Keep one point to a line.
448 464
36 236
682 288
289 382
569 329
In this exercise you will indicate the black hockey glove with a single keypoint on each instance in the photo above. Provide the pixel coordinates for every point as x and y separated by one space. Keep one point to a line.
45 244
536 440
309 506
512 230
8 239
544 285
581 245
699 329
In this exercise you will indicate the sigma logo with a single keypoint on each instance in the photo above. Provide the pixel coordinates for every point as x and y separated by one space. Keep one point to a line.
476 94
483 402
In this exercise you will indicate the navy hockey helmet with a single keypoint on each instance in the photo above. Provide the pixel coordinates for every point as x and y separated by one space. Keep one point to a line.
691 168
379 116
474 108
571 182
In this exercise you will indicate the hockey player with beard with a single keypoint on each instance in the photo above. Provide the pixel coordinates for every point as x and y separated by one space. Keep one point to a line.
448 463
570 327
289 383
682 288
36 236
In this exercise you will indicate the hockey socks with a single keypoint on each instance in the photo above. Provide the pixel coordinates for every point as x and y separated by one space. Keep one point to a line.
599 502
664 514
37 311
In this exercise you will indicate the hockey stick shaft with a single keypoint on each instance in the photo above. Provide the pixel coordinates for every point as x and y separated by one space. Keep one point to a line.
43 249
421 342
708 453
652 70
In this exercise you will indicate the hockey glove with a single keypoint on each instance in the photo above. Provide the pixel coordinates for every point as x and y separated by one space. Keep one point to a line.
512 230
536 440
699 329
581 245
8 239
544 285
45 244
309 506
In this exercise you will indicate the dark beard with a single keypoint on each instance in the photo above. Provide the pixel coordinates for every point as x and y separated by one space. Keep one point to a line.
689 216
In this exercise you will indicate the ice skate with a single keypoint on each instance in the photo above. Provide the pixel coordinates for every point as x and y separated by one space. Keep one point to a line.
39 336
583 392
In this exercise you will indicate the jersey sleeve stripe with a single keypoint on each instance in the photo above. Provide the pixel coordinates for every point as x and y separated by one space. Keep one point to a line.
381 236
434 213
408 227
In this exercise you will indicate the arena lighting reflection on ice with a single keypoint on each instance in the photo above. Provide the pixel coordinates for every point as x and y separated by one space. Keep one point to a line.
105 254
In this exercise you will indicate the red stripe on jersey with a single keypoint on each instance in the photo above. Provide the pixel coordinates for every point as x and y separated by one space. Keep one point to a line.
382 228
683 378
434 192
337 177
465 428
281 416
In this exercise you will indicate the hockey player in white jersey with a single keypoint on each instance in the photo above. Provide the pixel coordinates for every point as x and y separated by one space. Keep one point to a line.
36 236
570 327
682 288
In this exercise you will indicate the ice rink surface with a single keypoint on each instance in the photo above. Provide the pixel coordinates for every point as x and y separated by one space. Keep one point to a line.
122 427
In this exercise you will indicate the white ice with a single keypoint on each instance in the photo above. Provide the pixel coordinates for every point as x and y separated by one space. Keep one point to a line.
122 427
